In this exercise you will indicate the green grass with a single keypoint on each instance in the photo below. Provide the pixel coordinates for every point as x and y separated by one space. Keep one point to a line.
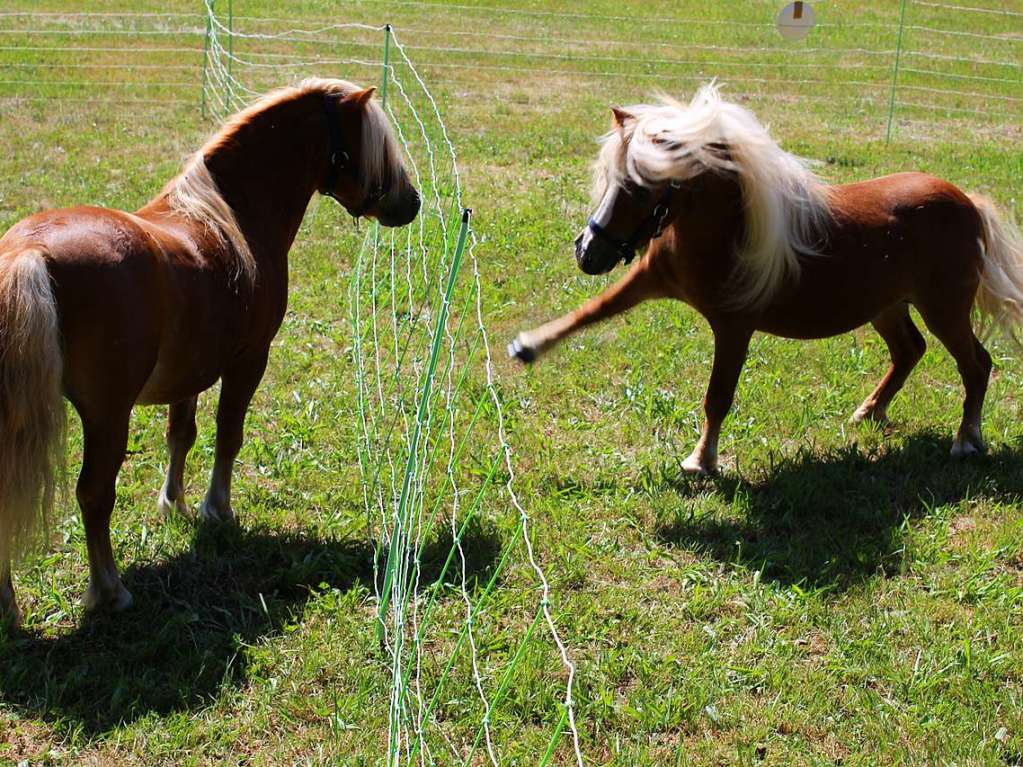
837 595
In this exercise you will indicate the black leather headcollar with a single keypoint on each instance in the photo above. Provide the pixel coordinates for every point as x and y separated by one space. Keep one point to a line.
339 160
649 228
337 153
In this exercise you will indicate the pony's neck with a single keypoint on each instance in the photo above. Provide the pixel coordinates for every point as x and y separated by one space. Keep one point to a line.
268 170
702 239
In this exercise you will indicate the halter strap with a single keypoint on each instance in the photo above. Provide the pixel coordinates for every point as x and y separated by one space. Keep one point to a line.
654 223
337 154
339 159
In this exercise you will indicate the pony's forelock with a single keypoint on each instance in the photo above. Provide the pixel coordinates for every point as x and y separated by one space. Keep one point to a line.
381 157
786 205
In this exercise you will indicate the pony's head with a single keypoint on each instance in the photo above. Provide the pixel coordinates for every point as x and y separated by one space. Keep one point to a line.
363 166
649 165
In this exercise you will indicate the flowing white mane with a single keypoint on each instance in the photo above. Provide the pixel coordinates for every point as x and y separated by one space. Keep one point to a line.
786 205
194 193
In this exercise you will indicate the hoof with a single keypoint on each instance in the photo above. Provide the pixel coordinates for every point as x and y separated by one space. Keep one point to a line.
964 448
869 415
216 515
168 508
519 351
693 465
116 599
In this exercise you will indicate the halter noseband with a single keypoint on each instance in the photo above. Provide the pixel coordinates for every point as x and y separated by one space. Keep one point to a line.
339 159
654 224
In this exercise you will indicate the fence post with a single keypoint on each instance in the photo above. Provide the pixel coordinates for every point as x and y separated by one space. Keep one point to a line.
895 72
386 73
208 5
385 595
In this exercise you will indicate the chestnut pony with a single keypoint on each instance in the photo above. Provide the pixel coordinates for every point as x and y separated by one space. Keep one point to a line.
744 233
113 309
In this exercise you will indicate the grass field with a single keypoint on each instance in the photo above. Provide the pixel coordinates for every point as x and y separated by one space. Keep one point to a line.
835 596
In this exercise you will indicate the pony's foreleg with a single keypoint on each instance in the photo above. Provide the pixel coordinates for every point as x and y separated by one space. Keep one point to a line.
236 392
637 286
730 347
9 612
180 438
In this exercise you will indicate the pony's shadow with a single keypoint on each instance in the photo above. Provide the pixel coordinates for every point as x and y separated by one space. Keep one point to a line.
194 614
831 521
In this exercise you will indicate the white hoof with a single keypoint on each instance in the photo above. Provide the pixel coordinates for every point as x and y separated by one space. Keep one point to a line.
870 414
115 598
167 507
216 514
699 465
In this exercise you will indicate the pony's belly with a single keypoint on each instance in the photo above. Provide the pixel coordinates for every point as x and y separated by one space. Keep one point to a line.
174 380
827 315
811 327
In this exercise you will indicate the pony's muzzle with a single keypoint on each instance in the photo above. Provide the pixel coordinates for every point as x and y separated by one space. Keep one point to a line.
592 256
403 213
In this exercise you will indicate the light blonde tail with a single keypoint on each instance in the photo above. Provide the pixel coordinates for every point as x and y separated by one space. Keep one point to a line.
31 405
1000 294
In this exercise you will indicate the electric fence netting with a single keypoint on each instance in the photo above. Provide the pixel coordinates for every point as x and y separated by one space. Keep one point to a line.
939 69
434 456
467 622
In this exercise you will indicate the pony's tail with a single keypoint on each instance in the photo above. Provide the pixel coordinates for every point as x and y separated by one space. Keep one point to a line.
31 405
1000 294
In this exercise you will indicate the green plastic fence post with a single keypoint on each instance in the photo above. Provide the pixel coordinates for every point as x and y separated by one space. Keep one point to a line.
206 54
438 337
895 72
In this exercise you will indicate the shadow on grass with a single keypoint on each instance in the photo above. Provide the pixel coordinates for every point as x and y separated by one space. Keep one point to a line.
829 521
184 639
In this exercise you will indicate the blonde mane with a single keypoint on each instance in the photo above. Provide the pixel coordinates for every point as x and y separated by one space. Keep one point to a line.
786 205
194 192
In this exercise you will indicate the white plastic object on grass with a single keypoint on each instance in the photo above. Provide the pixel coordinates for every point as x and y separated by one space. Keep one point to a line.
796 20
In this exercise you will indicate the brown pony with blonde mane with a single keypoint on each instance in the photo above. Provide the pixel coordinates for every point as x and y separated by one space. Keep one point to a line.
742 231
113 309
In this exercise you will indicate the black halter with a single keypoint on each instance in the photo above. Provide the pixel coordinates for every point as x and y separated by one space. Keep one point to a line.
649 228
339 159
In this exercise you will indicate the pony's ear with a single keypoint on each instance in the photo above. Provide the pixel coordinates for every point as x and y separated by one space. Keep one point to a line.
621 116
360 98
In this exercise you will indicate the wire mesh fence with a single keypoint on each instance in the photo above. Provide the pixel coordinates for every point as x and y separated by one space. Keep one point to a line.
434 455
882 64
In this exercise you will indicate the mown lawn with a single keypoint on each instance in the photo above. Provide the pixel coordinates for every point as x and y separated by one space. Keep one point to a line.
836 596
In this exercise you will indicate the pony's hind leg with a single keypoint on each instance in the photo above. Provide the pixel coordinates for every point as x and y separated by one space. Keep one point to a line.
953 329
236 392
906 345
180 438
730 347
106 440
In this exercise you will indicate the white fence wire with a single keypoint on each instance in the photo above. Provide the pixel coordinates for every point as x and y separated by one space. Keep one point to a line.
954 62
434 452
